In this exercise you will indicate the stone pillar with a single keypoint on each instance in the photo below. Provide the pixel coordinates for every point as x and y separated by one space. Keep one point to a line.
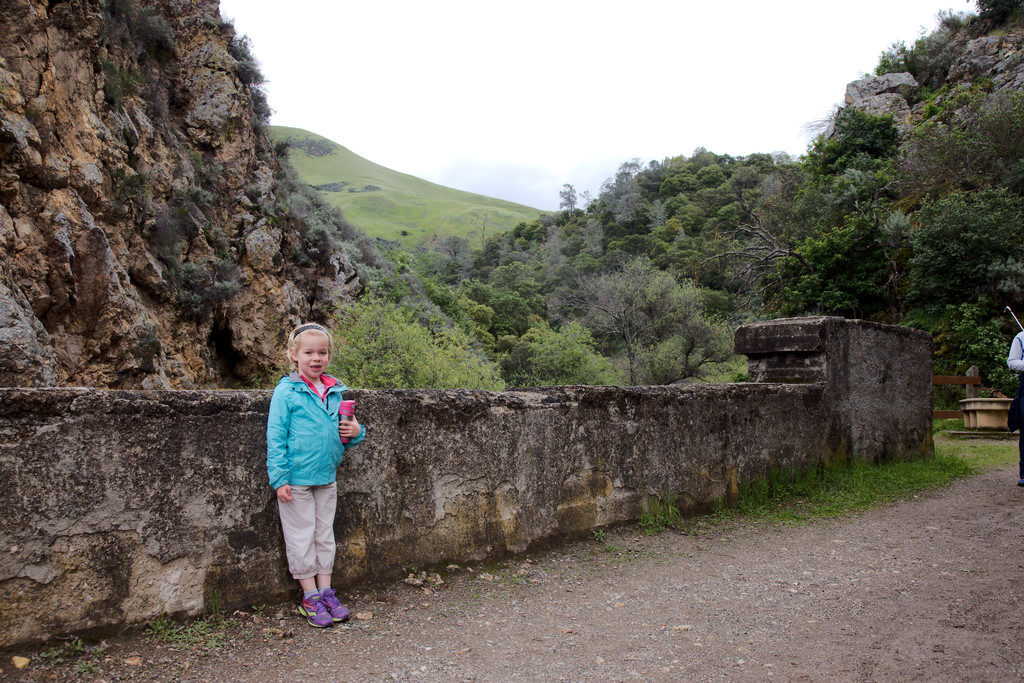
877 379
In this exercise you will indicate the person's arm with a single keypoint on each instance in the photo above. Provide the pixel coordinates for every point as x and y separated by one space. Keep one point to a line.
1015 361
278 467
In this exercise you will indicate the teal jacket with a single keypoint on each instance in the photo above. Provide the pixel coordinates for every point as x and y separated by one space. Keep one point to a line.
303 445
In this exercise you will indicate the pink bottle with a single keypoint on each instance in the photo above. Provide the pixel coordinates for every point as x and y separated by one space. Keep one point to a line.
345 412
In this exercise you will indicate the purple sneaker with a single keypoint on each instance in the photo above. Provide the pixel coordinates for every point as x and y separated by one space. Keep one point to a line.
315 611
337 611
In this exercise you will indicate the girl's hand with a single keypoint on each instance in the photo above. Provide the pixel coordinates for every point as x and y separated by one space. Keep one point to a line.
284 494
349 429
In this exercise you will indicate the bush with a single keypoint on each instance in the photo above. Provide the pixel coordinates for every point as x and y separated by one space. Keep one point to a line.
150 32
260 106
381 346
153 31
324 229
173 228
130 189
998 10
201 285
247 68
976 140
119 82
543 357
842 272
857 141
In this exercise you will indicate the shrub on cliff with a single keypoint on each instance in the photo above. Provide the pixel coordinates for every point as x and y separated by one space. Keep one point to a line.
999 10
931 55
974 140
200 286
144 26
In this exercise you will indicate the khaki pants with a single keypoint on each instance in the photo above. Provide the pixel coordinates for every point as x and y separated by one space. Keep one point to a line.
308 525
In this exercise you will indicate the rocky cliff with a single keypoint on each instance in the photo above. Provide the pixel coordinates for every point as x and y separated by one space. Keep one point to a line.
949 61
146 239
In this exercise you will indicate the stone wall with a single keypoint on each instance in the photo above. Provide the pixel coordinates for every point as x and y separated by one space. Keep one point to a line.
135 502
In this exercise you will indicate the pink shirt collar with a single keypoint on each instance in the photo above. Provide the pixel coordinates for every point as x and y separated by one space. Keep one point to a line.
328 383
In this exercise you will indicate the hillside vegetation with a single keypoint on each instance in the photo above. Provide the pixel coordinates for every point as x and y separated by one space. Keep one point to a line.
392 205
909 209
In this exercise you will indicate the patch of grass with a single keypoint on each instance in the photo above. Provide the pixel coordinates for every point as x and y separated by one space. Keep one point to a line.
841 488
84 657
838 489
661 513
943 426
61 653
982 454
54 655
208 633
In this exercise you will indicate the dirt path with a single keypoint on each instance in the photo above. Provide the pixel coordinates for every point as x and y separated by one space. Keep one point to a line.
924 589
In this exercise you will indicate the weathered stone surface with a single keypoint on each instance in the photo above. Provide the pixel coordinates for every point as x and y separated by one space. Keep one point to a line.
859 361
115 167
872 86
996 56
262 246
26 356
140 501
216 101
881 96
889 104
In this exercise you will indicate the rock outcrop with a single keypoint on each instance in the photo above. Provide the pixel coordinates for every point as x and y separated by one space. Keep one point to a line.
995 61
880 95
142 239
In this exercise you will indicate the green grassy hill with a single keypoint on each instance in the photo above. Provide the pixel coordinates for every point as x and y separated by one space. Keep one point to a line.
393 205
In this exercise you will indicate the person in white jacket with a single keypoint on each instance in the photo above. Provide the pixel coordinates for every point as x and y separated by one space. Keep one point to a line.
1015 361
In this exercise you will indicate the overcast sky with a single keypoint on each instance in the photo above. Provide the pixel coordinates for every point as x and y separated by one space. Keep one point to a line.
514 99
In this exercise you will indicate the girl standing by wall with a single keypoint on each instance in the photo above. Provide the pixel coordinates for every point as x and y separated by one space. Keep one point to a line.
304 450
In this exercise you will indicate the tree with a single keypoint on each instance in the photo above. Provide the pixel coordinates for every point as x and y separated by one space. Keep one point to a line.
973 335
967 244
840 271
511 314
567 195
657 322
457 258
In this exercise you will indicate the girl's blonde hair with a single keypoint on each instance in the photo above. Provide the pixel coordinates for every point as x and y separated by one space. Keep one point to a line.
293 340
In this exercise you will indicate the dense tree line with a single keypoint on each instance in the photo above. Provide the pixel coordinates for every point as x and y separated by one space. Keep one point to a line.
643 283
